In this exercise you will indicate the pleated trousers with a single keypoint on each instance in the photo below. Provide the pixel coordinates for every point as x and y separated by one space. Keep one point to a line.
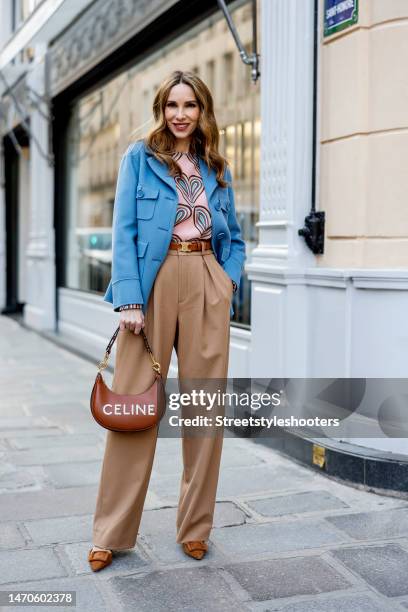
188 309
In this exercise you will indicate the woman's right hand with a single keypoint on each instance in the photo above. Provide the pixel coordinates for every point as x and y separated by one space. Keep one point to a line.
132 319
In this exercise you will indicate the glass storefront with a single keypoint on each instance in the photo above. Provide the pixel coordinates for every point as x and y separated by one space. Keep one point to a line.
105 122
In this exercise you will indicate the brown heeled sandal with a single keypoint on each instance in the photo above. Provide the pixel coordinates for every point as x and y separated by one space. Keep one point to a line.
98 559
196 549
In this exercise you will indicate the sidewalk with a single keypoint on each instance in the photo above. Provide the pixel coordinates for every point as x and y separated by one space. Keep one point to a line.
285 537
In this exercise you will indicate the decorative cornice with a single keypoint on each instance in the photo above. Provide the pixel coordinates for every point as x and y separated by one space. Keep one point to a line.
104 27
341 278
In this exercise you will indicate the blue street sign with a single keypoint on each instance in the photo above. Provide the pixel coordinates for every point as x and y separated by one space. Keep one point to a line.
339 14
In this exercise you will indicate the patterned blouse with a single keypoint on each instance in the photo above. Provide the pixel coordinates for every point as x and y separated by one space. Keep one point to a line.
193 216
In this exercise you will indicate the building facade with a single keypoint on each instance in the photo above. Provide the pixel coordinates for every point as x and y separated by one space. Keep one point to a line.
324 126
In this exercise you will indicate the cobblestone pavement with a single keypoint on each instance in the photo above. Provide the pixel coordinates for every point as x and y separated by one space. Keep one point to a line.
285 537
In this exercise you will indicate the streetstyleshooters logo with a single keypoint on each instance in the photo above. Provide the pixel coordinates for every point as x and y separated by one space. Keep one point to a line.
252 421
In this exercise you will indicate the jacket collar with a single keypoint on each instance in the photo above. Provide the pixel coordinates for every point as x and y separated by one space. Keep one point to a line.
161 170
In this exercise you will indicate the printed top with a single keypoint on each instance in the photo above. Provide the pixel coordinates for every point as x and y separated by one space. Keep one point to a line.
193 216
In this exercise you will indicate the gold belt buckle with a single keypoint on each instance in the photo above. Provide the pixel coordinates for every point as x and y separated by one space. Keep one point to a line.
185 247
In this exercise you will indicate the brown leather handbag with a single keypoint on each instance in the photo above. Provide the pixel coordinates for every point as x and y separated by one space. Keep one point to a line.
119 412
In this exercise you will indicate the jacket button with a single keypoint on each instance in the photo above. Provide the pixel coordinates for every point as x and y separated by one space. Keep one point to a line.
140 191
217 205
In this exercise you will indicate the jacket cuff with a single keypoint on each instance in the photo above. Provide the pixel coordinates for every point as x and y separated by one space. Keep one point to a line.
126 291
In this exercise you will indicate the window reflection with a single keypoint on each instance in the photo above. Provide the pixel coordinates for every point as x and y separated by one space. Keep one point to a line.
103 123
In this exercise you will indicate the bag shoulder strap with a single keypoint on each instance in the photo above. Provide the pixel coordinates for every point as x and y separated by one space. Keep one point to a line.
155 364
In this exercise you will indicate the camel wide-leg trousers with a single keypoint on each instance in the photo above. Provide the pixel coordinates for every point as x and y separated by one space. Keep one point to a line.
188 308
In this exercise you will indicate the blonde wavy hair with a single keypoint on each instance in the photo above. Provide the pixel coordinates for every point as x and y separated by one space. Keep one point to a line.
205 138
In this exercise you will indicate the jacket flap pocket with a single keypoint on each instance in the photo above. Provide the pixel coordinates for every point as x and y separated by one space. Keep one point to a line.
145 208
144 192
141 248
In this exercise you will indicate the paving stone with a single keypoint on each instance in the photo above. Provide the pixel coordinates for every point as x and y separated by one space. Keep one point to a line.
373 525
88 595
23 422
47 503
51 441
46 430
90 427
184 589
164 519
257 479
163 467
165 550
273 579
11 410
131 560
51 455
10 536
308 501
158 530
228 514
168 447
14 478
74 409
383 567
274 537
232 456
17 565
74 474
61 529
353 603
77 423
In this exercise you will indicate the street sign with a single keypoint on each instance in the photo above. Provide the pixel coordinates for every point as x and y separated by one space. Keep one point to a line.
339 14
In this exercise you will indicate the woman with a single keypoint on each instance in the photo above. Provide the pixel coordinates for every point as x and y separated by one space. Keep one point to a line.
177 258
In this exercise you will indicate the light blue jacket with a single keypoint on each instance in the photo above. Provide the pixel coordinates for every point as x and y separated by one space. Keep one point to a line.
143 219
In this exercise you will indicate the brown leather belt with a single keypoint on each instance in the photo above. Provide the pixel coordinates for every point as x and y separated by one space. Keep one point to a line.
186 247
